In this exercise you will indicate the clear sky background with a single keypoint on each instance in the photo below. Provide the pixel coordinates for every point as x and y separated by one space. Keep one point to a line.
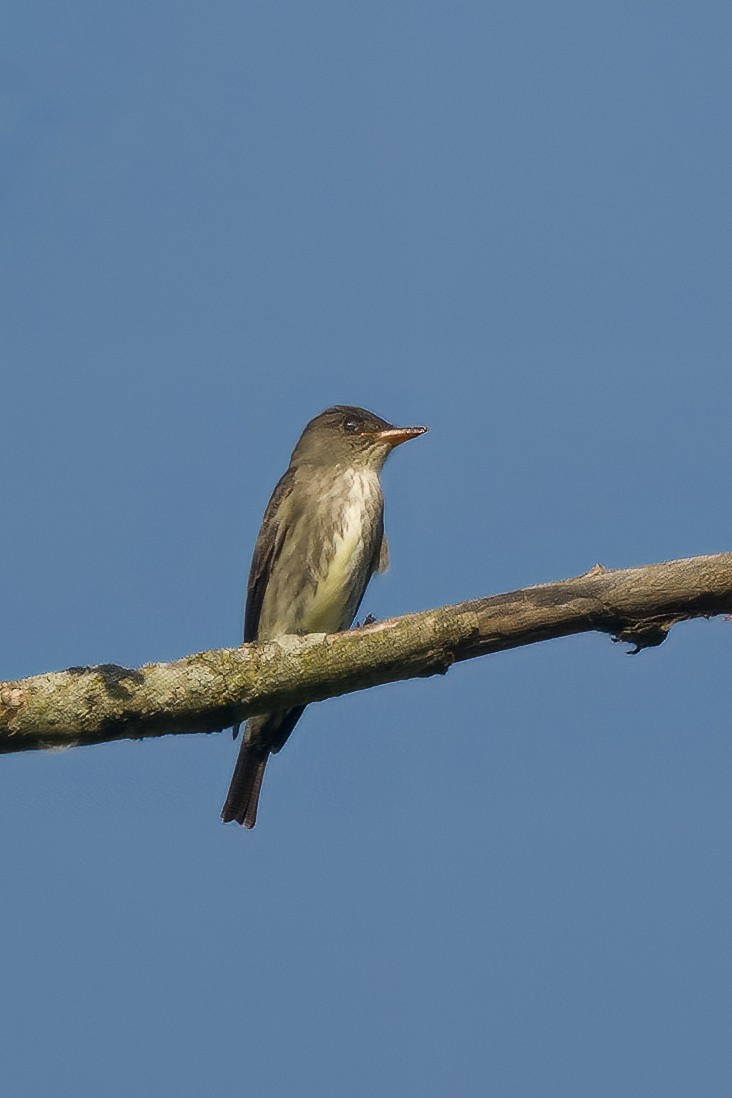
510 221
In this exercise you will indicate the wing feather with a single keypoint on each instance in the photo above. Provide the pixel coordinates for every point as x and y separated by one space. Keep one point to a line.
266 551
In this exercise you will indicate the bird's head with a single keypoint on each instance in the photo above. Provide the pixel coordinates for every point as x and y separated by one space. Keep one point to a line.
345 435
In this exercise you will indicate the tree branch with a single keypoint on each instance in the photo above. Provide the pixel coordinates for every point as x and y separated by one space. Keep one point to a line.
213 690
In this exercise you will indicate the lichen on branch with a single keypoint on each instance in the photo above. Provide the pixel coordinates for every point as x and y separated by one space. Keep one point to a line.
212 690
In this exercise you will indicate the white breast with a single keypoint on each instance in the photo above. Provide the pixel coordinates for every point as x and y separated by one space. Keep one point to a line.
333 598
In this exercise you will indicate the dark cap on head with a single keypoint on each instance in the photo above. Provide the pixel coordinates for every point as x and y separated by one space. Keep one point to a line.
346 433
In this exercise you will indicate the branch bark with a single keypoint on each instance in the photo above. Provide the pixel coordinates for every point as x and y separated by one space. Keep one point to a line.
212 690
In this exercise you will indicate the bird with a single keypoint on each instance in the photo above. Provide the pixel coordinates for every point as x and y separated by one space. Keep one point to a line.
321 540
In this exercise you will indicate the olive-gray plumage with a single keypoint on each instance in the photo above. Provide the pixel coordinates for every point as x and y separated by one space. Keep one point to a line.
321 540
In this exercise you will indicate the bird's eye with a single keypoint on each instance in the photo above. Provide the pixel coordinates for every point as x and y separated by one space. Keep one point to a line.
351 425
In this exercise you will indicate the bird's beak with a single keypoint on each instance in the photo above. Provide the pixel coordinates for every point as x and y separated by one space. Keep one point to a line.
395 436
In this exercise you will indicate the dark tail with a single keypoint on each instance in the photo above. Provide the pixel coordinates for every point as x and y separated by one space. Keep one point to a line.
264 735
243 796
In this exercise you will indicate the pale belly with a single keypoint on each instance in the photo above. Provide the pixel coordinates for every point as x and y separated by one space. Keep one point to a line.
320 593
328 603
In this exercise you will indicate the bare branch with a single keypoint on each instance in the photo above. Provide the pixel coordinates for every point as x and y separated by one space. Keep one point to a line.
212 690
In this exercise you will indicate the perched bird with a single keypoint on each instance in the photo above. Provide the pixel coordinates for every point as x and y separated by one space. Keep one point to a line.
321 540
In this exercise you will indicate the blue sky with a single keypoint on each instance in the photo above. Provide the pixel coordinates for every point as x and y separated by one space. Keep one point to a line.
511 222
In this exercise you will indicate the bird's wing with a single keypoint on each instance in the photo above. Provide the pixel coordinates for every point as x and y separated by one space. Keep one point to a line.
382 562
268 548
